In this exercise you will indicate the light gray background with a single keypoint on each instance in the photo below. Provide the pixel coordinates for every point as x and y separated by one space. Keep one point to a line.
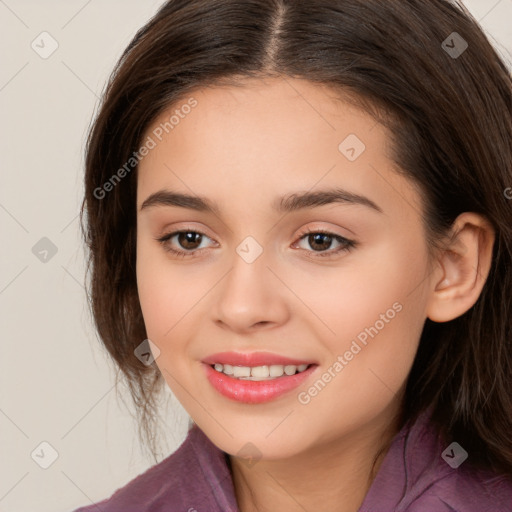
56 381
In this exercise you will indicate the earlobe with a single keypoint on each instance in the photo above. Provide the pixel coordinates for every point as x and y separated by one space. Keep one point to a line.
465 264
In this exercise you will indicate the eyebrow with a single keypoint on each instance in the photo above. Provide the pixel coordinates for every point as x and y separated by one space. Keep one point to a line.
286 204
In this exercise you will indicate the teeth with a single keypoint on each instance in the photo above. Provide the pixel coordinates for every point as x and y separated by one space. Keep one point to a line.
290 369
241 371
259 372
228 369
276 370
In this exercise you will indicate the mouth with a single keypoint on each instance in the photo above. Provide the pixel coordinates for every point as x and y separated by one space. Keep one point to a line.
255 378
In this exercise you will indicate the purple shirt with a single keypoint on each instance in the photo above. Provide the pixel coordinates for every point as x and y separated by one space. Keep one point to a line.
413 477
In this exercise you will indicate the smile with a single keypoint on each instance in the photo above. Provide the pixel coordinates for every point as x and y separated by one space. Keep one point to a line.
256 377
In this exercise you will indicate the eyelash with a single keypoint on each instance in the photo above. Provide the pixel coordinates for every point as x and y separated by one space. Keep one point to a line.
346 246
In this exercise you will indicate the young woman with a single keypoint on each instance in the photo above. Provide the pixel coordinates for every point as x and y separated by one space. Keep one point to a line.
299 218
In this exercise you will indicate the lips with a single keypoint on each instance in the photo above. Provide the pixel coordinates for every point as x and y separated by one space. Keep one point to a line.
250 391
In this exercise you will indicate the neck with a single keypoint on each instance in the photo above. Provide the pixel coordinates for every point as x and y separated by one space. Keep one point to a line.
334 475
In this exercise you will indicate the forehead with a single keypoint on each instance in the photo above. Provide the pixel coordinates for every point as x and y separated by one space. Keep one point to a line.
262 138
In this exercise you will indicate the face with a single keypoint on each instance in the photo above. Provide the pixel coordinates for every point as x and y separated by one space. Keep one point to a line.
272 281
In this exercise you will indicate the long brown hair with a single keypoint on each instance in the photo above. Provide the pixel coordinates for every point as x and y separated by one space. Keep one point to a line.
425 70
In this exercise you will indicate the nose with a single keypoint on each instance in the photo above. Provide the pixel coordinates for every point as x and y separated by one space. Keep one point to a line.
251 297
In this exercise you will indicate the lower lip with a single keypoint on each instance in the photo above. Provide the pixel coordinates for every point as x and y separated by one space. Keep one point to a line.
255 391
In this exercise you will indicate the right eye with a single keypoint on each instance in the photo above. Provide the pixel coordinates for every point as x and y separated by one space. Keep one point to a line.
186 238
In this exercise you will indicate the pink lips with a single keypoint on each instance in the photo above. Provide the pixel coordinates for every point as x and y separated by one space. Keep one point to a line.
254 392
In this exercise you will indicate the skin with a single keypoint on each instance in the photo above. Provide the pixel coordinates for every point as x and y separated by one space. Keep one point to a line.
276 137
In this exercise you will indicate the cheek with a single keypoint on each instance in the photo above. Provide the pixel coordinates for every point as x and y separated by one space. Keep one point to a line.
375 311
161 293
352 297
171 296
371 357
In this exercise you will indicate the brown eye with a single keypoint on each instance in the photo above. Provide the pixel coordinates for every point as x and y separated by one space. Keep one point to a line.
186 242
320 241
189 239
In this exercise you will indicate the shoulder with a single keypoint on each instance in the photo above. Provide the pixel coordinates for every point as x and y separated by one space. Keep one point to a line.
194 477
444 479
423 473
460 490
466 491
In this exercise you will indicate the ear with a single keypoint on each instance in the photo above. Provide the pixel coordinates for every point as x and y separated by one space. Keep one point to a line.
463 267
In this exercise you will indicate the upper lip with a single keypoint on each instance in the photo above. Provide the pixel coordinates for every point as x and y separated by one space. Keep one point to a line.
252 359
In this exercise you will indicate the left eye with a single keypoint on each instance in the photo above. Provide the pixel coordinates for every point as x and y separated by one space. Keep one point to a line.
188 240
320 239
